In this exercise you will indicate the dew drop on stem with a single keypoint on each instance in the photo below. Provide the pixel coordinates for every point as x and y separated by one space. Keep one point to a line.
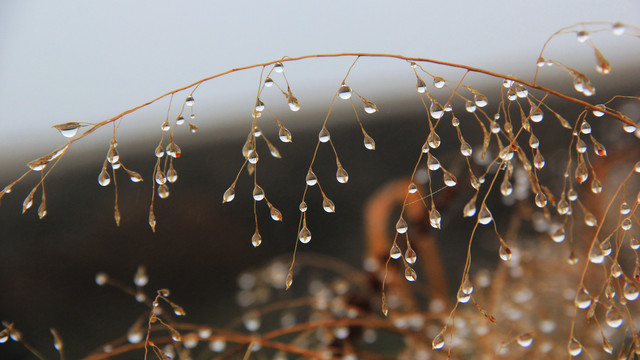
344 92
395 252
104 179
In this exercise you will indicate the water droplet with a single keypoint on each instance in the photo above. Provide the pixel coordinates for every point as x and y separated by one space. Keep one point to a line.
370 107
495 127
421 87
341 175
618 28
436 110
289 280
574 347
534 143
413 188
585 128
278 67
395 252
433 140
467 286
572 195
328 205
507 83
166 126
189 101
596 186
160 177
69 129
253 157
134 176
438 341
42 209
294 105
159 151
596 255
558 235
455 122
39 164
256 239
521 91
616 270
276 215
193 128
104 179
590 219
465 148
274 151
470 106
504 253
613 318
324 135
304 235
470 208
172 174
180 120
626 224
538 160
410 274
433 163
449 179
311 178
484 216
163 191
152 219
630 290
302 207
462 297
563 207
229 195
625 208
606 247
344 92
173 150
581 173
541 200
268 82
506 153
369 143
259 105
401 226
480 100
634 244
536 114
606 346
438 82
284 134
629 128
258 193
598 148
511 94
434 218
410 256
582 35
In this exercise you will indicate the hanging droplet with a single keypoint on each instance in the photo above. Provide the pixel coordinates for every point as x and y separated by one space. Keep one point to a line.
581 173
480 100
541 200
152 219
370 107
433 140
618 28
613 318
256 239
585 128
525 340
401 226
166 126
534 143
507 83
572 195
438 82
189 101
465 149
590 219
324 136
194 129
344 92
311 178
172 174
563 207
598 148
112 154
328 205
462 297
495 127
470 208
558 235
42 209
484 216
434 218
433 163
596 186
163 191
395 251
536 114
616 270
413 188
470 106
626 224
410 274
410 256
574 347
511 94
294 105
274 151
180 120
173 150
304 235
284 134
421 87
341 175
438 341
634 244
506 153
258 193
467 286
259 105
455 122
504 253
161 179
69 129
303 207
289 280
253 157
229 195
449 179
134 176
268 82
436 110
104 179
448 107
28 201
369 143
276 215
159 151
596 255
521 91
538 160
630 290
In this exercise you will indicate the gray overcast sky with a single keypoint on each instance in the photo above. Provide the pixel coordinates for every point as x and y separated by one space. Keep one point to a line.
88 60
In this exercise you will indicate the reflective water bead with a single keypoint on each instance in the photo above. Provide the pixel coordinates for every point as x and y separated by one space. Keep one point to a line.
259 105
484 216
613 318
507 83
506 153
470 106
433 163
606 247
433 140
395 252
163 191
401 226
448 107
436 110
189 101
370 107
625 208
166 126
311 178
104 179
268 82
629 128
341 175
525 340
504 253
626 224
465 149
284 134
410 274
572 195
413 188
294 105
630 290
229 195
596 186
574 347
438 82
449 179
581 174
536 114
180 120
134 176
462 297
480 100
278 67
616 270
258 193
582 35
172 174
470 208
276 215
634 243
369 143
438 341
253 157
558 235
328 205
590 219
344 92
598 148
302 207
159 151
618 28
511 94
410 256
421 87
538 160
173 150
541 200
467 286
324 135
596 255
304 235
521 91
69 129
534 143
256 239
435 218
455 122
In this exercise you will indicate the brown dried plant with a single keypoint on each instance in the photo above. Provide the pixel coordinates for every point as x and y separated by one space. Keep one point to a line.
512 301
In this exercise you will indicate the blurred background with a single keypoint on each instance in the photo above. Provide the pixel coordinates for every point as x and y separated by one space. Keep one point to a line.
86 62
